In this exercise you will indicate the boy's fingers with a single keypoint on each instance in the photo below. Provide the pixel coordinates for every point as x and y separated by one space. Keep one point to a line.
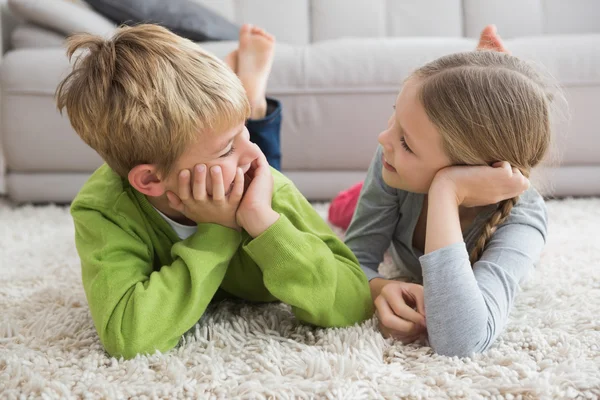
184 185
217 183
391 320
262 160
238 186
247 181
199 185
174 201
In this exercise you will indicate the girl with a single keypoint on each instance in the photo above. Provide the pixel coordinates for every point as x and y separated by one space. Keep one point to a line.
458 220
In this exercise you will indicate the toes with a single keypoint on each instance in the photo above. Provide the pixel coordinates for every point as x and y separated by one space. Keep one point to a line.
246 28
486 37
259 31
489 40
499 45
489 30
231 60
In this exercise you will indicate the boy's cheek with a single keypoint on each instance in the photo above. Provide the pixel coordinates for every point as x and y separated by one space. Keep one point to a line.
170 184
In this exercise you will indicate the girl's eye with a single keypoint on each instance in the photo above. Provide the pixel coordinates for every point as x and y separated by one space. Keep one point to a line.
230 152
405 145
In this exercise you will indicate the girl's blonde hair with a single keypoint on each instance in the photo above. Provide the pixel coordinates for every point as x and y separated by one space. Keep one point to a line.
144 95
488 106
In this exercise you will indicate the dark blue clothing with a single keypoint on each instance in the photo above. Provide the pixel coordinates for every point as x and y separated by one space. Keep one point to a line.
265 133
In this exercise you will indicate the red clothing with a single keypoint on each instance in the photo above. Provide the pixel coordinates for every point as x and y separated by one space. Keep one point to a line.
343 205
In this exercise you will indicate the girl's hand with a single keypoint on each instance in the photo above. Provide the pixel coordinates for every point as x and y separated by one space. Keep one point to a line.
476 186
395 304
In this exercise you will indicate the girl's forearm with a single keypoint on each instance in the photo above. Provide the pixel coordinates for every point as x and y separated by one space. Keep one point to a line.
443 220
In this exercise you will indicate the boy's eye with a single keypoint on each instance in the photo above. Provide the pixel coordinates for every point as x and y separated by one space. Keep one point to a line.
230 152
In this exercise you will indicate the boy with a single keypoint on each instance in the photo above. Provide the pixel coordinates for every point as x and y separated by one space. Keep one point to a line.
186 207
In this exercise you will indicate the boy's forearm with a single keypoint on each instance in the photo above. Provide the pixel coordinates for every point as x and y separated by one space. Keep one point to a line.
320 279
139 310
261 221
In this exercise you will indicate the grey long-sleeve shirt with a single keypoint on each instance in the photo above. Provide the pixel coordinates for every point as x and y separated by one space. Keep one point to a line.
466 308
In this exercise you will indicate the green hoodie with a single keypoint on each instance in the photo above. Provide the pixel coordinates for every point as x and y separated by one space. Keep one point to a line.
146 287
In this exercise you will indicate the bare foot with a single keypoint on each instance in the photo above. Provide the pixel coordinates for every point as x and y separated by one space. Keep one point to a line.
232 60
490 40
255 58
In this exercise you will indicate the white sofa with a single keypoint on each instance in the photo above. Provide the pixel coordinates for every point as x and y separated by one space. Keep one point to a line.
338 67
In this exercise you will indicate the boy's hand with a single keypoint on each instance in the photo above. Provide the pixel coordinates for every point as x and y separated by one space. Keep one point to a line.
194 202
255 214
395 304
476 186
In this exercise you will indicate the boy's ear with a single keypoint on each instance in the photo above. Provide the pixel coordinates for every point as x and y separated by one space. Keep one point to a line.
146 180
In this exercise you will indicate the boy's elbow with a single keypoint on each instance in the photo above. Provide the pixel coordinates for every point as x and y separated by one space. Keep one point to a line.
123 347
352 318
129 346
336 317
357 313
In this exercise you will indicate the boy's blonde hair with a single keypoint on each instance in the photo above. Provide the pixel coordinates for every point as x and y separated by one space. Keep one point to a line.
144 95
488 106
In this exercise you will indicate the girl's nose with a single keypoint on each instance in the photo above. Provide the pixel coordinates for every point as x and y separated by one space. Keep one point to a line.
383 139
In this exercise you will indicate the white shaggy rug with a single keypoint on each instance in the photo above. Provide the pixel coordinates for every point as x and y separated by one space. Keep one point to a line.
49 348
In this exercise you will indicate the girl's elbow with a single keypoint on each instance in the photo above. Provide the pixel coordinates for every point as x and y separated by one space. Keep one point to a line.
454 349
461 344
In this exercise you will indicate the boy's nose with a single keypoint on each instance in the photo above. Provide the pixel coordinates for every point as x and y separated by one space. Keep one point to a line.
251 154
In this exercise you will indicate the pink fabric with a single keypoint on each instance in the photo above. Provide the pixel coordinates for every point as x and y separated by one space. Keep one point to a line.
343 205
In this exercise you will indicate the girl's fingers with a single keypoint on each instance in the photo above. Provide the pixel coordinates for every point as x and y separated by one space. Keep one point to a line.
396 301
217 183
417 293
183 182
502 164
407 339
506 166
404 338
391 320
199 185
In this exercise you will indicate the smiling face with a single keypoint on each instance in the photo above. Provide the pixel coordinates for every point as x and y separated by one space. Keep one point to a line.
412 146
230 150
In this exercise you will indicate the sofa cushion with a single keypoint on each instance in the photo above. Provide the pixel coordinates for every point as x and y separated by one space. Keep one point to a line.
34 36
61 16
335 19
337 96
184 17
